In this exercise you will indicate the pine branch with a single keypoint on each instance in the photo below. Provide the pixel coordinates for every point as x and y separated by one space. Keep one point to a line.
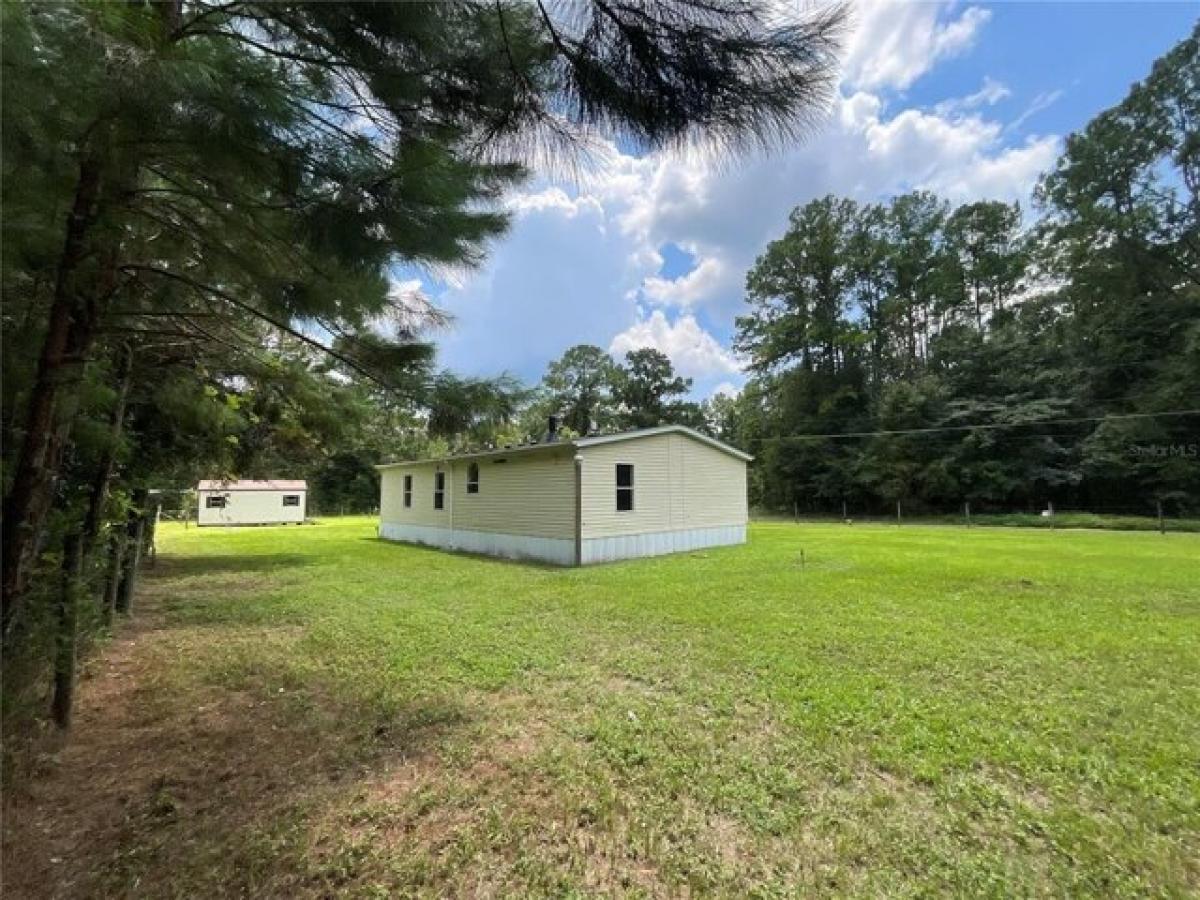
207 289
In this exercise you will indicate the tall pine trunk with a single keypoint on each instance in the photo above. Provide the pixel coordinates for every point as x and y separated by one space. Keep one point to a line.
135 536
68 631
108 458
70 331
112 577
85 280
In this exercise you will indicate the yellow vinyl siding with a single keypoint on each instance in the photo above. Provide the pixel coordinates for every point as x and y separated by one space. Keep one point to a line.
651 460
679 483
714 485
391 503
531 494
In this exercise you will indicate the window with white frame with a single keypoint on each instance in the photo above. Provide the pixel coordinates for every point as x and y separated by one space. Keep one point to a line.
291 499
214 501
407 491
473 478
439 490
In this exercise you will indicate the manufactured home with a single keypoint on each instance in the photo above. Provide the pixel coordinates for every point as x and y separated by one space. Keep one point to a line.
251 502
573 502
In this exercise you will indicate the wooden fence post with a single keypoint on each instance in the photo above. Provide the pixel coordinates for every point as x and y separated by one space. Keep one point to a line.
1162 525
967 508
897 512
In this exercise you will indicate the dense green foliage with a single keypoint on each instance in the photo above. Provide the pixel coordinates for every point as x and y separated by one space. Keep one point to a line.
907 712
588 391
1012 349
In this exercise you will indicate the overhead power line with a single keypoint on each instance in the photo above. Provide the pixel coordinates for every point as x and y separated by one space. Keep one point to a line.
986 427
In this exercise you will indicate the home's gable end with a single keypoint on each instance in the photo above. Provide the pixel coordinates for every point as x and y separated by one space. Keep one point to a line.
662 480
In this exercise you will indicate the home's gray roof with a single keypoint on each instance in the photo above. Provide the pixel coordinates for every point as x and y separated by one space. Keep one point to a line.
573 443
218 485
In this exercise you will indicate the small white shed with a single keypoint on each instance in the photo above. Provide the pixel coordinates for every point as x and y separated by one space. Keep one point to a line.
573 502
251 502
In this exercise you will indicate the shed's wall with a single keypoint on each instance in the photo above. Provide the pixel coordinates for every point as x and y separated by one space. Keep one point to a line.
251 508
680 484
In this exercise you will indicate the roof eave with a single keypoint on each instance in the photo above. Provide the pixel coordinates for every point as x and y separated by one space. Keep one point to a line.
482 454
577 444
665 429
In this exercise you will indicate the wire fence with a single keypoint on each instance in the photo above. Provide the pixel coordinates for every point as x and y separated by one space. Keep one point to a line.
1154 516
181 506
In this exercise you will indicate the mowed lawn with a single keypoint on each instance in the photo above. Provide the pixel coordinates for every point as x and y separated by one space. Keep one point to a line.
828 710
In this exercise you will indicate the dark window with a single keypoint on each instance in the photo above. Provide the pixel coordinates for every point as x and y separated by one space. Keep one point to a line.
473 478
439 490
291 499
624 487
408 490
214 502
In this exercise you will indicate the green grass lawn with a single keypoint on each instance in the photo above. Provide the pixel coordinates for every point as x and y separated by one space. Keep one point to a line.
909 711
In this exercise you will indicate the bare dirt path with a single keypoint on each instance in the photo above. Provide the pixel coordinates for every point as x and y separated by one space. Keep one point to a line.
68 817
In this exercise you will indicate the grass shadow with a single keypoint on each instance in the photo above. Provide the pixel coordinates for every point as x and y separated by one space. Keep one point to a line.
480 557
169 566
219 789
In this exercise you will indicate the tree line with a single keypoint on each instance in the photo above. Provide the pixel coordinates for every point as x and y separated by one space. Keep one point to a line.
934 354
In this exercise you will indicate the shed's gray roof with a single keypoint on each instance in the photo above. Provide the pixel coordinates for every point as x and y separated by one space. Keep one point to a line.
573 443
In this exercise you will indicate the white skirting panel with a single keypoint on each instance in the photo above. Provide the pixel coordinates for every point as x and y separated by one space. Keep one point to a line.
510 546
657 543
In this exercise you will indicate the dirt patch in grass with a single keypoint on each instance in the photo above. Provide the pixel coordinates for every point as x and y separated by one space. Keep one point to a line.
167 787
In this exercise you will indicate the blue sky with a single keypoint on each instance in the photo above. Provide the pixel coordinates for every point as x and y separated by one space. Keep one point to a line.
970 100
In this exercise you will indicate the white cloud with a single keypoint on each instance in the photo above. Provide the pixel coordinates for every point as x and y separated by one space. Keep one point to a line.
561 277
1006 176
1040 102
728 388
553 199
582 263
704 282
894 44
401 289
991 93
693 351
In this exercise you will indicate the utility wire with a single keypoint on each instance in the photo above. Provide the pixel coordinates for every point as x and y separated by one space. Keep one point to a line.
995 425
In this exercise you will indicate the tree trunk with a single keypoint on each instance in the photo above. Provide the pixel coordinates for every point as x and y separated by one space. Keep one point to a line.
69 334
978 306
68 611
112 580
135 535
108 458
